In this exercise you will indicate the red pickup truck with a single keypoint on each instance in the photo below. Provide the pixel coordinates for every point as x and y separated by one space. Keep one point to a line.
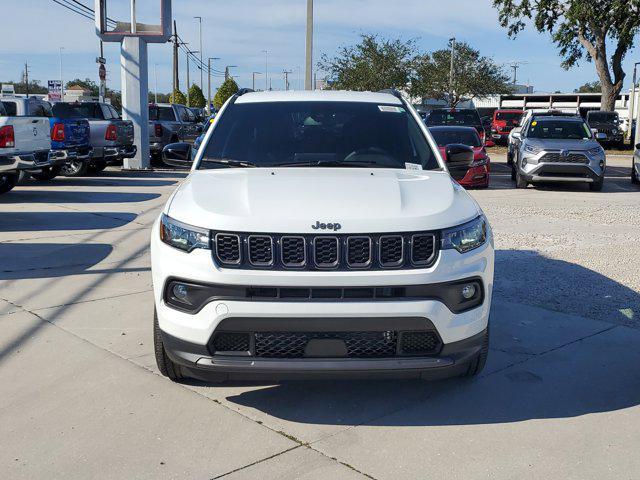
503 122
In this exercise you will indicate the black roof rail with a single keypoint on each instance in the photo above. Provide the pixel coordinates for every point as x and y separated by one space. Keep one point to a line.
239 93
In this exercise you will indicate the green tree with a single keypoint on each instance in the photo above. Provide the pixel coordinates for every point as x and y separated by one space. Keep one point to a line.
582 29
589 87
196 97
373 64
473 75
228 88
87 84
178 97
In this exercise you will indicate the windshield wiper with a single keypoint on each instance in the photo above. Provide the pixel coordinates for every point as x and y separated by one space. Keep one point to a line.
230 162
326 163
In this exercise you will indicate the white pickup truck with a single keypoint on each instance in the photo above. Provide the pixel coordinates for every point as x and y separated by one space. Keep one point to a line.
25 143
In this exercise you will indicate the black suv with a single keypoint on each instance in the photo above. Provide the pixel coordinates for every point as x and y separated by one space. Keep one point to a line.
460 117
607 123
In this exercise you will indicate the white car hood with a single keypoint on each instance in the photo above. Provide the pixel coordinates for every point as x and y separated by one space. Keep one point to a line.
291 200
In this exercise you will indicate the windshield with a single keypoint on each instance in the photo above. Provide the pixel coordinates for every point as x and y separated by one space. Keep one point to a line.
603 117
161 113
508 116
351 134
558 129
76 110
447 137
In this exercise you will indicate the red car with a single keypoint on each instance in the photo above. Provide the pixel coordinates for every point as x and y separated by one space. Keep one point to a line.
478 175
503 122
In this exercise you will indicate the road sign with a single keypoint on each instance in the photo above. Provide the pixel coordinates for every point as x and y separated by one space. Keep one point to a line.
55 90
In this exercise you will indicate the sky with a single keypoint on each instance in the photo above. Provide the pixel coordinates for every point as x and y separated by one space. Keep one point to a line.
239 31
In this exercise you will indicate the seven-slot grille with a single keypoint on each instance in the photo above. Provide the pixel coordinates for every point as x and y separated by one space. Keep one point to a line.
326 252
557 157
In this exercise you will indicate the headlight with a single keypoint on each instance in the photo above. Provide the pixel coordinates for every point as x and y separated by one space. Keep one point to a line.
481 161
182 236
595 151
531 149
466 237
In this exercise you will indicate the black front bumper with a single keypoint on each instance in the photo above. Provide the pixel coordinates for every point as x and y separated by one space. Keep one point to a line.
451 360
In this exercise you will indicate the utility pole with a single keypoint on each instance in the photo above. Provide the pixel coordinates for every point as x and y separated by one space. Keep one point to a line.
176 76
26 77
266 70
201 62
226 71
453 52
632 106
209 83
515 67
308 77
254 79
155 77
61 82
286 78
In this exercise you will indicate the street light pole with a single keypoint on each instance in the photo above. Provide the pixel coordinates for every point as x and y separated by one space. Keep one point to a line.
266 70
308 77
632 106
254 79
226 71
209 83
453 52
201 62
61 82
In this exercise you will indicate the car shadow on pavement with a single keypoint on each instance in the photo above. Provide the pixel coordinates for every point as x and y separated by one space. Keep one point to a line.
542 364
62 196
61 221
47 260
103 182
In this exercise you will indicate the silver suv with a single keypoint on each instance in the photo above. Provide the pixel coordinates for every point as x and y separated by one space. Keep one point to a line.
557 149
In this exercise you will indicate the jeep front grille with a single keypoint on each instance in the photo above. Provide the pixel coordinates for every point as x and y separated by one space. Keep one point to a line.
326 252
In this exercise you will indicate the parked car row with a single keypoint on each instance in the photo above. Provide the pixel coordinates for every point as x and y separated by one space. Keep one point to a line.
543 145
76 138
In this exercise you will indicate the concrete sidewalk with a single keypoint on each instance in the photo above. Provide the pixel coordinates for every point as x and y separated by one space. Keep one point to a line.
81 396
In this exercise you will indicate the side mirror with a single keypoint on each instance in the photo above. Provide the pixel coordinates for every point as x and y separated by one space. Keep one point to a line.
459 159
600 136
489 143
517 133
178 155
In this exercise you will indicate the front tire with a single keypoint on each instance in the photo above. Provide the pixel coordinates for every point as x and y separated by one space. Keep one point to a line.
480 360
166 366
597 185
520 181
8 181
74 169
46 174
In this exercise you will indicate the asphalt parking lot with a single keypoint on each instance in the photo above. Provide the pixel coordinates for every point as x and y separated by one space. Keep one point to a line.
81 397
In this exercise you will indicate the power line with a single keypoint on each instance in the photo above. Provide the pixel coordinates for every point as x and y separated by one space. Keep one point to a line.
83 10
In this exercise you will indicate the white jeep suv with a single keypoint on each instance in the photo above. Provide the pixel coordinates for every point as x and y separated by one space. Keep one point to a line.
321 233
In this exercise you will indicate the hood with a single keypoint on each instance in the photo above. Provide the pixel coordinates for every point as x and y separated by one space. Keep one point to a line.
291 200
562 144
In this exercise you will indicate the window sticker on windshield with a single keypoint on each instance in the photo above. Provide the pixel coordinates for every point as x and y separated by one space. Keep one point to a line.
413 166
534 123
391 109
